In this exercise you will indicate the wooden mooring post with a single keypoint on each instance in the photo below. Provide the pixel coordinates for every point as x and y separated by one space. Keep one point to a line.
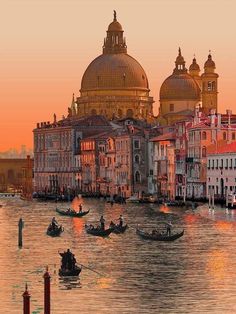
20 235
46 277
26 301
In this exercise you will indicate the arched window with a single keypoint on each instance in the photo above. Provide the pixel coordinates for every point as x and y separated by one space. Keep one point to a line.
137 159
209 86
129 113
204 151
137 177
224 136
204 136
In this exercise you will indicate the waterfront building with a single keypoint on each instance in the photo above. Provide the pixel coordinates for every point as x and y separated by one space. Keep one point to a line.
114 84
185 89
221 170
164 164
215 129
57 152
13 175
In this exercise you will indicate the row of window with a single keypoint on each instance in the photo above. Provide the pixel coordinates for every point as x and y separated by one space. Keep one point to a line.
228 163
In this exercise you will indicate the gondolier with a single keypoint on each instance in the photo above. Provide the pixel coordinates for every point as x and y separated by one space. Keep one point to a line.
102 221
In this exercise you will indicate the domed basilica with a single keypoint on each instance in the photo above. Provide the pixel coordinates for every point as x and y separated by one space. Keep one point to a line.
182 91
114 84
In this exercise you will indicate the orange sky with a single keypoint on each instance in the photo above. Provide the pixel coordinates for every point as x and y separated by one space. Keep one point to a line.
46 46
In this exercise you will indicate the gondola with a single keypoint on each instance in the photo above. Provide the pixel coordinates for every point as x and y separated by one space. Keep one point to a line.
159 237
54 232
97 231
72 272
72 213
118 229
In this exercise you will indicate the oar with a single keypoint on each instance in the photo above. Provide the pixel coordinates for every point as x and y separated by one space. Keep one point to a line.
91 269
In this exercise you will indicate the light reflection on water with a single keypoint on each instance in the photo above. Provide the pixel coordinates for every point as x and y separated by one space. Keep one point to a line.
195 274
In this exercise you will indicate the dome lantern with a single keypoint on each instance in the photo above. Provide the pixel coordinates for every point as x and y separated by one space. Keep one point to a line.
179 64
114 42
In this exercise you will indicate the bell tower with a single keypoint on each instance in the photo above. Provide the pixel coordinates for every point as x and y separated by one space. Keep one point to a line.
209 86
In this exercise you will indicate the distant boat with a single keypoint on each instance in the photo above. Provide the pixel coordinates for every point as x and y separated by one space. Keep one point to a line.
96 231
67 273
54 232
72 213
158 236
118 229
133 199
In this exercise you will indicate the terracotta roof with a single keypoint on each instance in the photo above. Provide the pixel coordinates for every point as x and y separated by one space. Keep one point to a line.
221 148
163 137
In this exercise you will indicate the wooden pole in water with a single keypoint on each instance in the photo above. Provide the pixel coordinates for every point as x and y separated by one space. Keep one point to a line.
46 277
20 236
26 301
213 197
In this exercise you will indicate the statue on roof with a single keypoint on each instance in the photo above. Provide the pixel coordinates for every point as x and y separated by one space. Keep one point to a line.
114 15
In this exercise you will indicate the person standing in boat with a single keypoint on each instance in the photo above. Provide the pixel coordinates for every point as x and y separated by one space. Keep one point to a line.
54 223
168 228
121 220
80 208
102 221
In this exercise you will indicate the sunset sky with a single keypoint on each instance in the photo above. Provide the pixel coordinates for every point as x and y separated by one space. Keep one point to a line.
46 46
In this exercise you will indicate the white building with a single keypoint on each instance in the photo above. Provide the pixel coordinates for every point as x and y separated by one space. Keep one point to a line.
221 170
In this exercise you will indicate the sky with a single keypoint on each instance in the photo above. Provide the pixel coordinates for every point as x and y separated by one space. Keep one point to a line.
46 45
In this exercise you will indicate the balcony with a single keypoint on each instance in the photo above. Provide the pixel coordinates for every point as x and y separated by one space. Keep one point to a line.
76 169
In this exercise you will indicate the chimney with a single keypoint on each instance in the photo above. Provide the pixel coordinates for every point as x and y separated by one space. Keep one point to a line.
38 125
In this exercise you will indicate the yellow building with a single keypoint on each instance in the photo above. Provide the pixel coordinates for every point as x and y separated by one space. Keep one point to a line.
114 84
182 91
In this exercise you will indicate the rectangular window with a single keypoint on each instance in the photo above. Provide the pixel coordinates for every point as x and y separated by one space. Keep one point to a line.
226 166
136 144
172 107
217 163
151 172
213 163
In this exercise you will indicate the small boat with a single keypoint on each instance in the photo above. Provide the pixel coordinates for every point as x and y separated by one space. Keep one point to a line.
54 232
98 231
158 236
72 213
118 229
70 272
133 199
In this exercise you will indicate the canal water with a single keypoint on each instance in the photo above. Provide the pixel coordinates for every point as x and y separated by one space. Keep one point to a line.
194 274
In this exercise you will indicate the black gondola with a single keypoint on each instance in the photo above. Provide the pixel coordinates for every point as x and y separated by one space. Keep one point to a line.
72 213
97 231
159 237
70 272
54 232
118 229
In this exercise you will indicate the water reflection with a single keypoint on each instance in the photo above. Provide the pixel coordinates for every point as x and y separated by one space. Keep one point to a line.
190 275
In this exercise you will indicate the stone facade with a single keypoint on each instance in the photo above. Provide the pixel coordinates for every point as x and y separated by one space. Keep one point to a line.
12 174
114 84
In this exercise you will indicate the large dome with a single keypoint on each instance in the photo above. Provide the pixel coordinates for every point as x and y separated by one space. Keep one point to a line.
114 71
180 87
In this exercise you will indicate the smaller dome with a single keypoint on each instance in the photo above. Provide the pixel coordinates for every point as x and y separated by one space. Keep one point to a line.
115 26
209 63
180 87
194 66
